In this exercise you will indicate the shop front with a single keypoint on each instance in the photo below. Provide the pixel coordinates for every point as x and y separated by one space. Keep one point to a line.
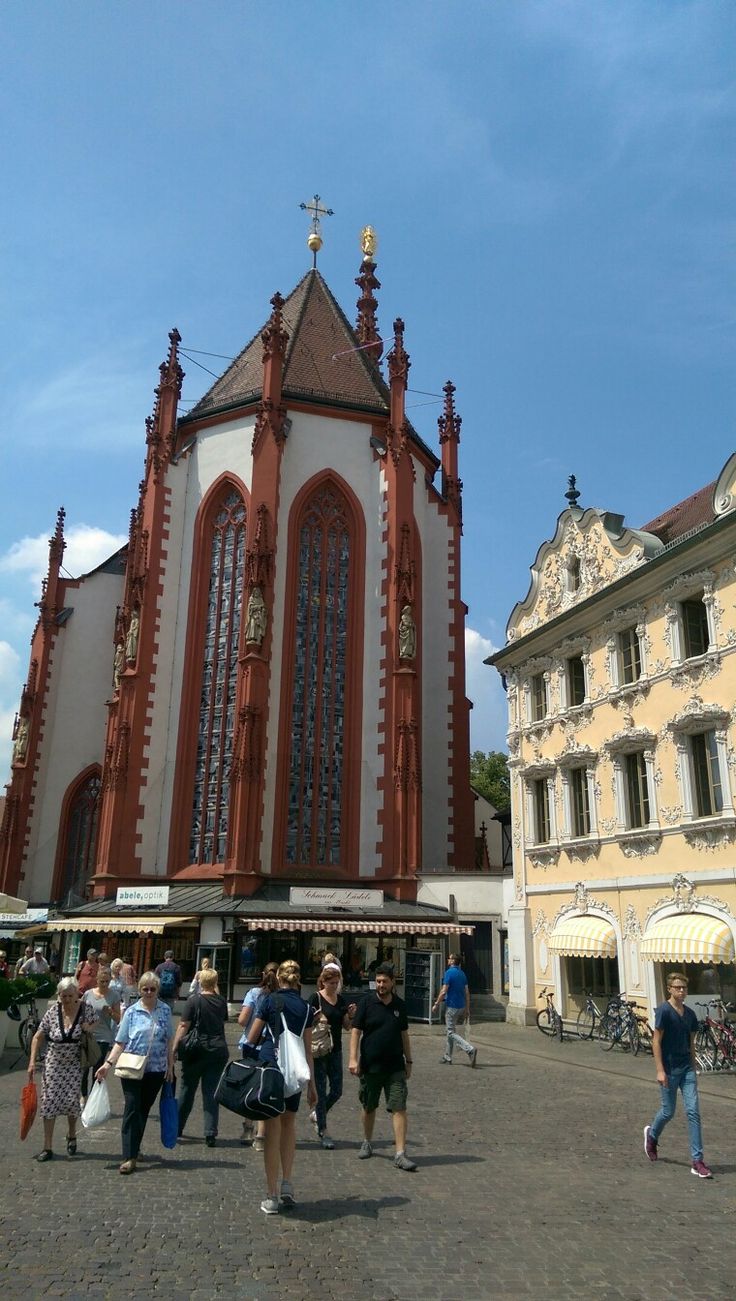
140 940
586 949
700 945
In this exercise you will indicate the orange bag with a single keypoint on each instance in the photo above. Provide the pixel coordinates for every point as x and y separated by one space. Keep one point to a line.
28 1108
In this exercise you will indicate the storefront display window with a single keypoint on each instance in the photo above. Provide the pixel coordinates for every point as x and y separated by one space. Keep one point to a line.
597 975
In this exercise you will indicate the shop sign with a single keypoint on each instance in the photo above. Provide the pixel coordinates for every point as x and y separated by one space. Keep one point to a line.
146 895
303 896
24 919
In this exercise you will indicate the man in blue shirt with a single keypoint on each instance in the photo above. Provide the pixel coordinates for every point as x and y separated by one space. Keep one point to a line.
675 1025
456 994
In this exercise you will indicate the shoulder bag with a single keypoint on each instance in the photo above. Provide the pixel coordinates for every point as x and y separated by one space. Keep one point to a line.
191 1045
321 1035
132 1066
292 1058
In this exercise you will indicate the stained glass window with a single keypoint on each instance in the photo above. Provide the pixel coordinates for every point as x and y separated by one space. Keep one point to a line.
316 762
80 842
208 837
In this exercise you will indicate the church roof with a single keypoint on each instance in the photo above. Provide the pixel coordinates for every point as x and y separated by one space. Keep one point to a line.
323 360
692 513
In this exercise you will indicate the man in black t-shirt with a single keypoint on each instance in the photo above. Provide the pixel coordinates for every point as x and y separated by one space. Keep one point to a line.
380 1053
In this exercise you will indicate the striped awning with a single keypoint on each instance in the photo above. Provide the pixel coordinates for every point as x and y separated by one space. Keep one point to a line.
122 924
335 926
688 937
583 937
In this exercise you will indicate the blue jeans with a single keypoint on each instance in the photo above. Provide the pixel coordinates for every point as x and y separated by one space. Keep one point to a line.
452 1014
327 1071
685 1079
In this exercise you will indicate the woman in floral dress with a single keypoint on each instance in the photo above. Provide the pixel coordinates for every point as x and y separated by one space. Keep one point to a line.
62 1027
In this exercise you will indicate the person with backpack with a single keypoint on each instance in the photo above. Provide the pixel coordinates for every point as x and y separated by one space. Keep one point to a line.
282 1025
169 974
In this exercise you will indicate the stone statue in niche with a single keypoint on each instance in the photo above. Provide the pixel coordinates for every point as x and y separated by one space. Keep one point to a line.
407 635
118 666
255 628
20 744
131 641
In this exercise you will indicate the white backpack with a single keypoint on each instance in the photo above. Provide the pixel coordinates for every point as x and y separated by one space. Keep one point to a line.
292 1058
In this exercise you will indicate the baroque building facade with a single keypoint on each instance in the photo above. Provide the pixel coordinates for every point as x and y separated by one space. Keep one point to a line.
264 691
620 670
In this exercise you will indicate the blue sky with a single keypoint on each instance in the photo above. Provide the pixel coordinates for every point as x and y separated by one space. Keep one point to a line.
553 189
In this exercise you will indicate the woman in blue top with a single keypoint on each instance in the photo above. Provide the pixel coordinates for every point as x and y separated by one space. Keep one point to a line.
269 984
147 1029
265 1030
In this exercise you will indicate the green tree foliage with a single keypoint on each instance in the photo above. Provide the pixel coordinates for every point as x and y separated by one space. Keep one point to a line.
489 775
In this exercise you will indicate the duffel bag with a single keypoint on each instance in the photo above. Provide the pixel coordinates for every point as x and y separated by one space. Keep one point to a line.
252 1090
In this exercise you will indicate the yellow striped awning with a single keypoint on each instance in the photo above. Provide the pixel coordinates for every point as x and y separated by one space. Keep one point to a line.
361 926
122 924
586 937
688 937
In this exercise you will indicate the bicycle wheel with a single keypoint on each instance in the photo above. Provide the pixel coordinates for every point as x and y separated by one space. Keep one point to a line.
646 1038
706 1048
615 1032
585 1023
546 1022
26 1031
632 1035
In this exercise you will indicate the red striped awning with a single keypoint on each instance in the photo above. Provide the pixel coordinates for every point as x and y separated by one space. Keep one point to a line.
335 926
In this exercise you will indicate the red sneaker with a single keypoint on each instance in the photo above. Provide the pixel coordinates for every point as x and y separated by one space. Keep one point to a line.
700 1169
650 1144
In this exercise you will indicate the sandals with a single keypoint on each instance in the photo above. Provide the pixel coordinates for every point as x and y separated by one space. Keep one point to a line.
46 1155
128 1167
71 1146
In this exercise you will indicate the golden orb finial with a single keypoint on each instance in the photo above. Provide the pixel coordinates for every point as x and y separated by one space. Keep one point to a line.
314 241
315 210
368 243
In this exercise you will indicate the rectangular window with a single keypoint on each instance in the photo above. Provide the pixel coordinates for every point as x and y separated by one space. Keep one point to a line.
629 656
694 627
597 975
575 681
637 791
706 774
541 811
579 802
538 688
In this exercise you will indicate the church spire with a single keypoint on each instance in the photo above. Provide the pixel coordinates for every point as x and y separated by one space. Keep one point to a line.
366 326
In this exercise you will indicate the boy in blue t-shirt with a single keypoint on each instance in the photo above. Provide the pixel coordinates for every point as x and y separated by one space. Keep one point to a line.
675 1025
456 994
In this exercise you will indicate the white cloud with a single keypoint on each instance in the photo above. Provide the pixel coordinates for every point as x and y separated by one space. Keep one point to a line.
86 547
488 715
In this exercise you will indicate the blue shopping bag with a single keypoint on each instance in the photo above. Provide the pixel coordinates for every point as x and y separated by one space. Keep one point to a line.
168 1110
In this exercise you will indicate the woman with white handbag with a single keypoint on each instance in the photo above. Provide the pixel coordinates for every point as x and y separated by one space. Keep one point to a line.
282 1029
142 1057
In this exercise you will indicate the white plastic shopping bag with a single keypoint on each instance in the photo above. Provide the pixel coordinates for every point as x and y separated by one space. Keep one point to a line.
97 1108
292 1059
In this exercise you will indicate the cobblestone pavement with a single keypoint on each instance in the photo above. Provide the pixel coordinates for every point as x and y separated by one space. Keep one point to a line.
532 1183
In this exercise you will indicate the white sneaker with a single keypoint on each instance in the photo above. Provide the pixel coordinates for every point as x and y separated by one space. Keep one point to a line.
270 1206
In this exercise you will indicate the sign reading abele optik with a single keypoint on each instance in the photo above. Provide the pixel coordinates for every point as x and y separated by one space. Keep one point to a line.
304 896
147 896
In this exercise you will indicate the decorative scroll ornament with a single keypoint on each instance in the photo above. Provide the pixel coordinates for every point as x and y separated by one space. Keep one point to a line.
581 903
632 925
685 899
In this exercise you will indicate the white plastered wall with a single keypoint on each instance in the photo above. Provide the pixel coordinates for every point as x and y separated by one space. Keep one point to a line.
74 718
436 699
219 449
317 444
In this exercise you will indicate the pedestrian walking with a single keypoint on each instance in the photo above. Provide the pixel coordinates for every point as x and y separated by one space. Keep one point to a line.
28 953
265 1031
380 1053
206 966
206 1009
268 985
129 977
62 1026
170 977
675 1026
36 965
117 986
456 993
147 1029
333 1008
105 1003
86 972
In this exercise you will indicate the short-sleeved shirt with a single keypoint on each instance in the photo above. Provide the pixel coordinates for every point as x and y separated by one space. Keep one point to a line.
676 1031
134 1032
298 1016
381 1045
335 1014
250 1000
87 978
212 1019
456 982
105 1025
175 969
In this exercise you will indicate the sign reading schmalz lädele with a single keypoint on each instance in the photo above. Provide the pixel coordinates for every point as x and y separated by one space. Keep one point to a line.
324 897
150 895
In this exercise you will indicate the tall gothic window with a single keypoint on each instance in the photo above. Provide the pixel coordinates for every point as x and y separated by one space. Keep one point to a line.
80 839
316 761
208 835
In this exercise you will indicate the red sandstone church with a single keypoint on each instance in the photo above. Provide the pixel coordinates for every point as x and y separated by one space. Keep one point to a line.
248 729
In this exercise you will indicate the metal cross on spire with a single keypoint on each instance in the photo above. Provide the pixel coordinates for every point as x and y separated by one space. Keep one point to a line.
316 211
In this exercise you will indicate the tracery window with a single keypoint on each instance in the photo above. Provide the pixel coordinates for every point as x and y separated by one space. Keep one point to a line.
315 813
80 839
208 836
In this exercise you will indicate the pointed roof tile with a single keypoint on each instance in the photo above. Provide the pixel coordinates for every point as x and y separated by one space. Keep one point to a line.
321 363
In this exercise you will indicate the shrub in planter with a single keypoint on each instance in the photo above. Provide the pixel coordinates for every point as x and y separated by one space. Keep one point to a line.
23 988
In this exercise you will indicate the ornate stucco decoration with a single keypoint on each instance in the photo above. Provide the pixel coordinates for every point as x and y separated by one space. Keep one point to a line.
630 739
696 716
685 899
541 925
639 843
576 756
724 496
543 856
717 833
581 850
582 902
696 580
690 674
632 925
590 549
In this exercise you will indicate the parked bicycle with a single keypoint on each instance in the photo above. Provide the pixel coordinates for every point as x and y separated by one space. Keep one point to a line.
549 1020
622 1026
590 1018
28 1024
715 1040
